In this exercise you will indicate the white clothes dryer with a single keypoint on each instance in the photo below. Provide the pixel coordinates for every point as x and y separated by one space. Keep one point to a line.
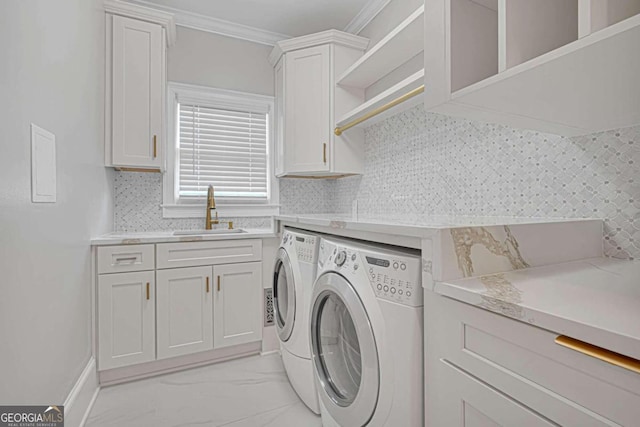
293 276
367 335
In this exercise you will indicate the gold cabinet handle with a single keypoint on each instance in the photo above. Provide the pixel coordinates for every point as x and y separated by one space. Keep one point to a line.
600 353
324 153
207 284
218 283
147 290
155 146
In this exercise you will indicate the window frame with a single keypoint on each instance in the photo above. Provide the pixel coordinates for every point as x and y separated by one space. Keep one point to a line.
172 205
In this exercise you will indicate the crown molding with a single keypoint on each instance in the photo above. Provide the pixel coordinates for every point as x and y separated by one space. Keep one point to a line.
214 25
330 36
144 13
366 15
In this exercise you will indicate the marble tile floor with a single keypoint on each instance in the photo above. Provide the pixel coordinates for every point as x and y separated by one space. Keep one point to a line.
247 392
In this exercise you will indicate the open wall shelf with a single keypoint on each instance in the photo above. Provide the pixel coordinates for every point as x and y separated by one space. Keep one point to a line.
567 67
400 45
412 82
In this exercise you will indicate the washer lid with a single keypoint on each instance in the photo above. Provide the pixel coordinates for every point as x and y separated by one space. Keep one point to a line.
344 352
284 295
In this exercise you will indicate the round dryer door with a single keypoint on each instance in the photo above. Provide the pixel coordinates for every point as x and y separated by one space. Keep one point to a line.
344 351
284 295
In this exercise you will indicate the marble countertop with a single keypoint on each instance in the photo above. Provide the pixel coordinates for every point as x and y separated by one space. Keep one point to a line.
123 238
595 300
410 225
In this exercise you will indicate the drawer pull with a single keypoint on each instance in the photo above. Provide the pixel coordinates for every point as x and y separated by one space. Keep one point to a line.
147 290
218 283
600 353
130 258
207 284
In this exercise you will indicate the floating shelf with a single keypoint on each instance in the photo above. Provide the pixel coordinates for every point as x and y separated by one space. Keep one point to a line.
410 83
401 44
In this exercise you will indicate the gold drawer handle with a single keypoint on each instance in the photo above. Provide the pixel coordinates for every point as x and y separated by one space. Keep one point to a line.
147 290
207 284
599 353
218 283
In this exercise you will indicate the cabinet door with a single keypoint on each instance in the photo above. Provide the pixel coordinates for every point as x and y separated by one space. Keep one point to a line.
466 401
184 305
138 52
307 110
237 308
279 117
126 319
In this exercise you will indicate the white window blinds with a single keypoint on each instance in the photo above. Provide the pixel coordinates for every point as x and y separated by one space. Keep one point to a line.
225 148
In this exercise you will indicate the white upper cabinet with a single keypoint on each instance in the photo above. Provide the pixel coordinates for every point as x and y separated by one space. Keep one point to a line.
308 105
307 119
567 67
136 81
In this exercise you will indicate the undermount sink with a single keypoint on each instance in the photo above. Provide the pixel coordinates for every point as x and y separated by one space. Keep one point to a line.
214 231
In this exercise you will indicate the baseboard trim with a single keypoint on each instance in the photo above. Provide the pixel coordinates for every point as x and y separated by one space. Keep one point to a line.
82 396
159 367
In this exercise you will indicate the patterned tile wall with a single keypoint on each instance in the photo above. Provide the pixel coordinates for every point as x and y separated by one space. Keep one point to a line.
424 163
138 207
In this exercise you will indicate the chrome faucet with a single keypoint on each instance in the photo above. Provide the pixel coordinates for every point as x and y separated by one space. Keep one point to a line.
211 205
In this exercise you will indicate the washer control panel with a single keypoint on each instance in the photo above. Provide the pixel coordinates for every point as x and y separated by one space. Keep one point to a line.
305 245
394 278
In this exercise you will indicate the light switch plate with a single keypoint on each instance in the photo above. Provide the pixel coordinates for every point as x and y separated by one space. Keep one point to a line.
43 165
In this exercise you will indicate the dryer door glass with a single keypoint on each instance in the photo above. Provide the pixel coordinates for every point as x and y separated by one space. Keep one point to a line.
284 295
339 349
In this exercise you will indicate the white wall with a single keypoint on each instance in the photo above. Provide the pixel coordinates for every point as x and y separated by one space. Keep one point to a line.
213 60
52 74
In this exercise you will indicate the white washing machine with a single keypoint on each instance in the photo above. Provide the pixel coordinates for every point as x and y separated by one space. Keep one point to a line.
367 335
293 277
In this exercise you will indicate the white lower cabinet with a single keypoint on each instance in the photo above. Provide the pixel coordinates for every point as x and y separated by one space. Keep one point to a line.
237 311
485 369
126 319
184 311
164 313
467 401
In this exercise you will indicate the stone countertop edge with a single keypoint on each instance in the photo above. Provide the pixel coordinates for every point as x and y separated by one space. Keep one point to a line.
135 238
595 300
408 227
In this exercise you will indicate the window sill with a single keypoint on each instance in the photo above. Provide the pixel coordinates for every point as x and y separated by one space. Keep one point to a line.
231 211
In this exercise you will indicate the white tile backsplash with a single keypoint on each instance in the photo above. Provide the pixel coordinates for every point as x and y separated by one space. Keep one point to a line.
138 200
424 163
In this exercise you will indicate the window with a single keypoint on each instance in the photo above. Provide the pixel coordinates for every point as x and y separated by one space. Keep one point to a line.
220 138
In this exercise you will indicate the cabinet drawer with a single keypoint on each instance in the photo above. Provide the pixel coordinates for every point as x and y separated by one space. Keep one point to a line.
193 254
524 362
120 259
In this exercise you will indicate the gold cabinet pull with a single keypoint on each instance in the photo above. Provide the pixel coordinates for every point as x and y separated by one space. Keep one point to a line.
324 153
600 353
155 146
147 290
218 283
207 284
